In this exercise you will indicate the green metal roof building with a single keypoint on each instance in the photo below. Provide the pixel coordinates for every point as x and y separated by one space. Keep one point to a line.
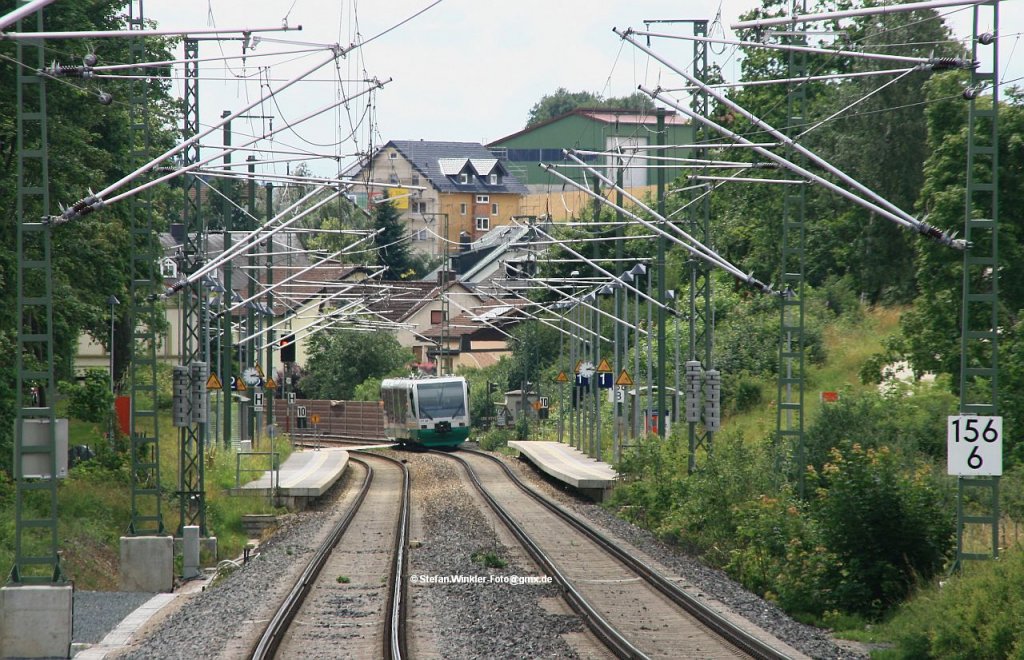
597 130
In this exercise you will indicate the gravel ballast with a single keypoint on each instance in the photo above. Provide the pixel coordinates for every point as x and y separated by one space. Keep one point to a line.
450 536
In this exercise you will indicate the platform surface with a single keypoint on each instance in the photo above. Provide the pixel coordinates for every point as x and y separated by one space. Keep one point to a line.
567 464
308 473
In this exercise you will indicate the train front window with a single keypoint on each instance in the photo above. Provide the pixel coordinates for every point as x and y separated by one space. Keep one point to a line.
440 399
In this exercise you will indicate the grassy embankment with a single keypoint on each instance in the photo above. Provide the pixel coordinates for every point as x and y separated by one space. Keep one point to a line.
94 508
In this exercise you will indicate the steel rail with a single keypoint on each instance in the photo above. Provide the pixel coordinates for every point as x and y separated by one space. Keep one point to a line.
394 635
604 631
705 615
395 646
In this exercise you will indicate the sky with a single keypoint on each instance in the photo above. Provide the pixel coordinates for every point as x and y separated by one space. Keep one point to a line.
463 70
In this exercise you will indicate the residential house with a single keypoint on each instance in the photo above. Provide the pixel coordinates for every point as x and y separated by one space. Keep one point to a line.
595 130
304 286
466 190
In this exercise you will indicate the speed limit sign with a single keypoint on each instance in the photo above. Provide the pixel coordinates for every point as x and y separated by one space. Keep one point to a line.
974 445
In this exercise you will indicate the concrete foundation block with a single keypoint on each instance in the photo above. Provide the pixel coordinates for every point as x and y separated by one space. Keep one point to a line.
147 563
35 621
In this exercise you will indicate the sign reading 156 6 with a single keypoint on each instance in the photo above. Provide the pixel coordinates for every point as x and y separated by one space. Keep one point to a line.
974 445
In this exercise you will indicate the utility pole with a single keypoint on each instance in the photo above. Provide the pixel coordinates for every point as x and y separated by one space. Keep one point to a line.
147 497
445 321
191 466
251 356
36 558
792 360
229 296
662 272
979 313
269 339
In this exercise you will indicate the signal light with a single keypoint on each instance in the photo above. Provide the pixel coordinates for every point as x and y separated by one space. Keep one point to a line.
287 346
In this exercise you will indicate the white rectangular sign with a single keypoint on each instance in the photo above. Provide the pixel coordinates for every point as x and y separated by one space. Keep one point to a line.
974 445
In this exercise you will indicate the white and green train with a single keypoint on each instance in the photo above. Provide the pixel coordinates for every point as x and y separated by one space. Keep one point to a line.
428 412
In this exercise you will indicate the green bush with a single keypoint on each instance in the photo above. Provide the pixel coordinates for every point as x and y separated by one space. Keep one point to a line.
742 392
780 555
704 509
974 615
91 401
494 438
888 523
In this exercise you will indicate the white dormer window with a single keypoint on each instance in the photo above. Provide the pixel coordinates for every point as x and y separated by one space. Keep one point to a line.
494 179
463 178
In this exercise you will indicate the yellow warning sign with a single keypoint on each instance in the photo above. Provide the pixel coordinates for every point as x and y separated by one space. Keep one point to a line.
561 377
579 363
239 384
213 383
259 370
623 378
604 367
270 384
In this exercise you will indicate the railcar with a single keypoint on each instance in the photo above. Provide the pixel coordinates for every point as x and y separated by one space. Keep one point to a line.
426 412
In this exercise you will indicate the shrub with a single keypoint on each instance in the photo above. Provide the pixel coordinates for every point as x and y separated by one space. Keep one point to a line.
92 401
889 526
975 615
493 439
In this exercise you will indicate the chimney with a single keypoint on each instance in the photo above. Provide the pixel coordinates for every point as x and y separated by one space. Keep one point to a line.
178 232
464 241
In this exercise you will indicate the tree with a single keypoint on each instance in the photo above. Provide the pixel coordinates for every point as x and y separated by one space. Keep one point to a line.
392 242
90 146
563 101
340 361
931 330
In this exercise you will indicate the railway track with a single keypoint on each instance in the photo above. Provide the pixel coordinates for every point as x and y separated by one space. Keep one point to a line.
339 598
632 609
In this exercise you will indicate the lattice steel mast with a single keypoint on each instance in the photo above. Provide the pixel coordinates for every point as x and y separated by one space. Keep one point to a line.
789 414
146 515
979 338
36 558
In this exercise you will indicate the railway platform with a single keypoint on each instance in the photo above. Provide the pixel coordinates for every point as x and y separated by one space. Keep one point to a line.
568 465
304 476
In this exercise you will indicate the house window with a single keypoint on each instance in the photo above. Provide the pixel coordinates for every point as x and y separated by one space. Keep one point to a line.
392 155
482 199
419 207
483 224
415 179
393 178
463 178
494 209
462 208
436 316
420 235
494 179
